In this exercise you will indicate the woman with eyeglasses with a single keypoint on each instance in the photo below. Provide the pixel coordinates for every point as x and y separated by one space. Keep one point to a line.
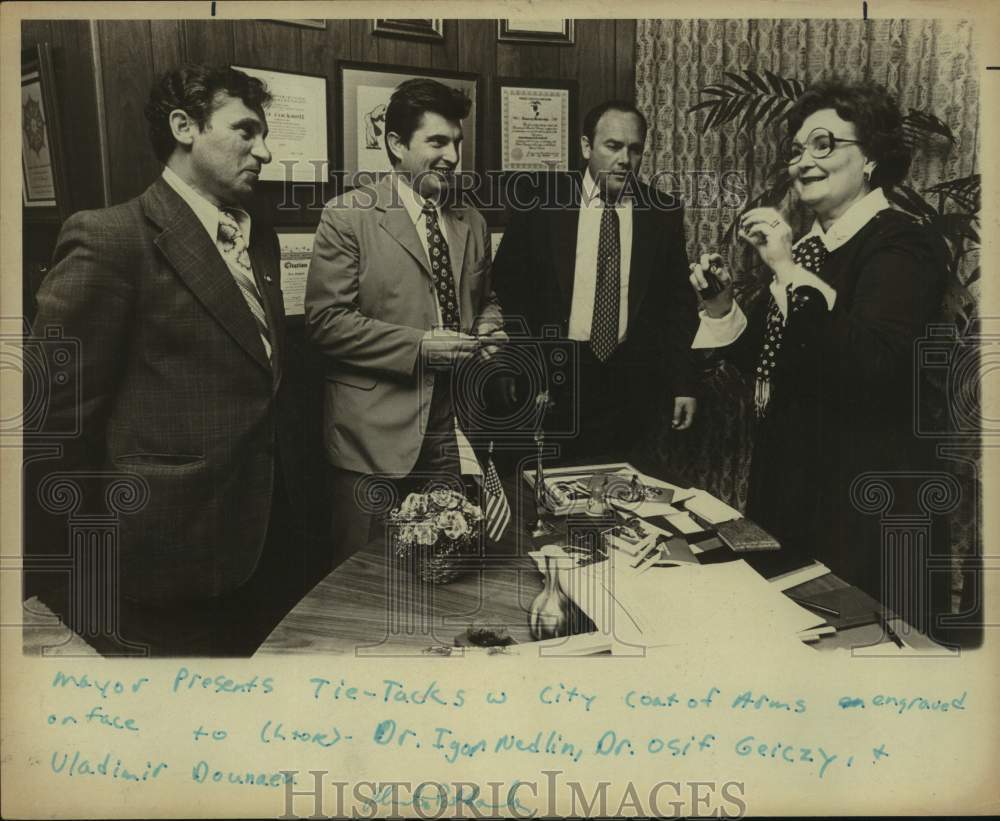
832 354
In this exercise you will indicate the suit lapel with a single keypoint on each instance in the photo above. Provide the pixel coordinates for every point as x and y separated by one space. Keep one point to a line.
197 261
396 221
565 222
644 238
265 267
458 238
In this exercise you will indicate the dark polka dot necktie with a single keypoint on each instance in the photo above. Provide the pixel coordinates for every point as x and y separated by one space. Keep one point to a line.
444 282
810 253
607 292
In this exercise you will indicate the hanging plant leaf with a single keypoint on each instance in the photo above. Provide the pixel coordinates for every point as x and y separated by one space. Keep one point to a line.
965 192
758 81
761 99
957 227
743 83
912 203
920 125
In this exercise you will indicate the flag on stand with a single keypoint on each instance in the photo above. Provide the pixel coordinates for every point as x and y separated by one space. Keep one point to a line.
496 509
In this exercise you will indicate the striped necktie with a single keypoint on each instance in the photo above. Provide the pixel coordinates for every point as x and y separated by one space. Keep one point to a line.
233 246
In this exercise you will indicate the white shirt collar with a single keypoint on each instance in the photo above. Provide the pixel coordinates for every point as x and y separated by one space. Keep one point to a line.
851 221
206 212
592 194
412 201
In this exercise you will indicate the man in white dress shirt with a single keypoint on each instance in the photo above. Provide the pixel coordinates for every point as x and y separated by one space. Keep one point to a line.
599 259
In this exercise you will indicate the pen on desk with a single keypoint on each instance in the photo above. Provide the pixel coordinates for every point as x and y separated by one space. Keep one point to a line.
819 608
887 628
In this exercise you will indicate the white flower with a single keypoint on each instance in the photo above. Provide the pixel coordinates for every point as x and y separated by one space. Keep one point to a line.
473 512
414 506
425 533
445 499
452 524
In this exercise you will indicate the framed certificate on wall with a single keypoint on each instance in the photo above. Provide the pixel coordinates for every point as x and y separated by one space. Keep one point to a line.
296 251
537 125
296 122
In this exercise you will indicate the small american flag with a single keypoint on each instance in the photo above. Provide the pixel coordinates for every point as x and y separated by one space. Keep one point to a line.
497 515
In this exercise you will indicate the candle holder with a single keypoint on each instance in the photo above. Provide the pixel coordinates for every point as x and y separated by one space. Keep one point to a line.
541 527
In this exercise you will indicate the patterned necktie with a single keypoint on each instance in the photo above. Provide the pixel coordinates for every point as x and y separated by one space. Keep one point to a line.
444 282
607 292
810 253
233 246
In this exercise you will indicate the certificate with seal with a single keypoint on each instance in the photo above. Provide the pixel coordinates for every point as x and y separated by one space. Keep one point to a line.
536 122
296 252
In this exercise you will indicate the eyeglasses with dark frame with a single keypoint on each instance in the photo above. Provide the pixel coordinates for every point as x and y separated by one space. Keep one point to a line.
820 143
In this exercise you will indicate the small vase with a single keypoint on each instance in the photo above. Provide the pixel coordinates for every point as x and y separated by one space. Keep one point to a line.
549 612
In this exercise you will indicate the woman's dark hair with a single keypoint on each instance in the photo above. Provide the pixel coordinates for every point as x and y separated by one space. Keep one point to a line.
875 117
412 99
194 89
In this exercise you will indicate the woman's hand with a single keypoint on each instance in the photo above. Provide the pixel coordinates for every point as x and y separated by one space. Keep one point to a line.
767 231
722 303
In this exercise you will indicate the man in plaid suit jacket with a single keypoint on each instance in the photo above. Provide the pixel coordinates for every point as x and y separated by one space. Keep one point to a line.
181 337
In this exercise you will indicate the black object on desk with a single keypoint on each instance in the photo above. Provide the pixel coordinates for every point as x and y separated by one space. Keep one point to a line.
887 628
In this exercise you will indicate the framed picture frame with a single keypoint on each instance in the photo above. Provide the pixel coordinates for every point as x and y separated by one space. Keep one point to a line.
297 125
295 243
525 30
363 92
417 29
537 124
44 190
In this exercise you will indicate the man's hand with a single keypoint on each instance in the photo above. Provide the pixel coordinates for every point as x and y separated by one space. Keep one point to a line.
491 342
445 349
684 410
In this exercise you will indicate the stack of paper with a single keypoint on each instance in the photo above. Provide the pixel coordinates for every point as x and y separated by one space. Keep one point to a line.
713 604
712 510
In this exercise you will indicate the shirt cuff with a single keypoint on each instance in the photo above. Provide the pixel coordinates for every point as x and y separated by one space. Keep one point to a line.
717 332
780 293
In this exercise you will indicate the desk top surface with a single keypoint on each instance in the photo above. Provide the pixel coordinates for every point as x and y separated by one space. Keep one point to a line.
372 605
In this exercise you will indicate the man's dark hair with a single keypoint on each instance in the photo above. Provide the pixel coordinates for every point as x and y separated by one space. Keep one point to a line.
598 111
412 99
195 89
875 116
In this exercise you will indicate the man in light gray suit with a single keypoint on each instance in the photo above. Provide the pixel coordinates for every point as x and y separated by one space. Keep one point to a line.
399 294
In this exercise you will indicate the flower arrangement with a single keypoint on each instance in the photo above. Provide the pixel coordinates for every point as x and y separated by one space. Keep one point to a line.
435 528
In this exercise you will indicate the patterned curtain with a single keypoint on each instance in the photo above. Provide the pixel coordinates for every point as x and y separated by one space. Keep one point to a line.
927 65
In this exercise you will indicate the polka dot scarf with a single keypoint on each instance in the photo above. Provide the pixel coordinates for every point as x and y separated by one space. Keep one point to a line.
810 253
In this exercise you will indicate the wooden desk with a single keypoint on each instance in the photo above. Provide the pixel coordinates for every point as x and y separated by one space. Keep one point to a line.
371 606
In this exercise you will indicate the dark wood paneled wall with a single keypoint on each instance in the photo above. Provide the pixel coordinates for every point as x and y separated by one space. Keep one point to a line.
134 52
130 54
